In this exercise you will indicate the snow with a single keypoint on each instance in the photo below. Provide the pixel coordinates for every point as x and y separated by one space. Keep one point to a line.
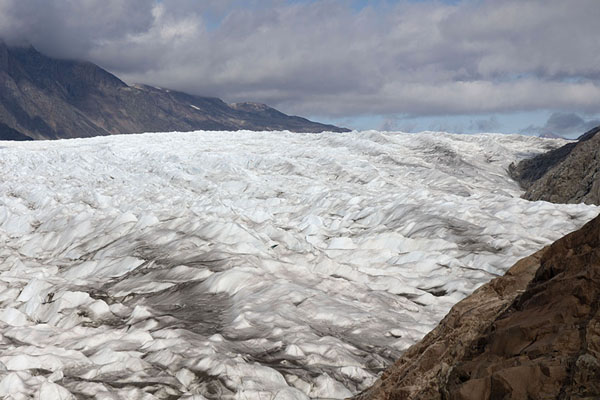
271 265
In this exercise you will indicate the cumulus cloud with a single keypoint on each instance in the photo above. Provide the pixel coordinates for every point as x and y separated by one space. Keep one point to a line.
329 58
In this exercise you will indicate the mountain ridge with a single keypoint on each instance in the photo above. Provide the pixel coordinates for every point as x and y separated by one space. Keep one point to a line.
569 174
47 98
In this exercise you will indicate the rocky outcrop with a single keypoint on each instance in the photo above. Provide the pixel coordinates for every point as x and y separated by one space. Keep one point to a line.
531 334
569 174
46 98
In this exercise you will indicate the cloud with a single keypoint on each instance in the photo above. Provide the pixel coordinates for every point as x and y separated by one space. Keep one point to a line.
328 58
570 125
70 28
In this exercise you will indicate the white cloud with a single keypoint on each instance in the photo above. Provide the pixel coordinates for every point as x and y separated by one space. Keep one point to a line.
325 58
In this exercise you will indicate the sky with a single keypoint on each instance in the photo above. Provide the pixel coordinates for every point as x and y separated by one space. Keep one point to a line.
514 66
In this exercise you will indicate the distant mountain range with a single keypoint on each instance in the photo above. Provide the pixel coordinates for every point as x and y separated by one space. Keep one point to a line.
550 135
47 98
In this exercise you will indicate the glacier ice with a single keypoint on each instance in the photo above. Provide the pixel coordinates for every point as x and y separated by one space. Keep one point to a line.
269 265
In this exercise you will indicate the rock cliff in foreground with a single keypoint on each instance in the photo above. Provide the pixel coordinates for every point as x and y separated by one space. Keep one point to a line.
531 334
569 174
46 98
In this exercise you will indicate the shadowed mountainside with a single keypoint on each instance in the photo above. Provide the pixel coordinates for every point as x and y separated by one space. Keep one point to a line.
46 98
569 174
531 334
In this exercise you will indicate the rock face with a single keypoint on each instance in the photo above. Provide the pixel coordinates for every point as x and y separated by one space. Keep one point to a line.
569 174
46 98
531 334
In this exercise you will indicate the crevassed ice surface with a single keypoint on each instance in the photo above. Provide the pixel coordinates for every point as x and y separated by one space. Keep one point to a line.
268 265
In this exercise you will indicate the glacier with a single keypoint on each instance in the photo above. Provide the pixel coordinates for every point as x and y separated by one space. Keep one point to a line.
248 265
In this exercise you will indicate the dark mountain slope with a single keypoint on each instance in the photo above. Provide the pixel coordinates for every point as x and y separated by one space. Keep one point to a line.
531 334
8 133
46 98
569 174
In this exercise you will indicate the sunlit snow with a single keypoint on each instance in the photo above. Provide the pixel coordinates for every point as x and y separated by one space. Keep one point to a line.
269 265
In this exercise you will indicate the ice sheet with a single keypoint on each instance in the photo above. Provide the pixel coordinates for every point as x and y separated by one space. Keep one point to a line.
268 265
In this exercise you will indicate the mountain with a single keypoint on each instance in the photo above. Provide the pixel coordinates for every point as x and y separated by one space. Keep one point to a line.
569 174
47 98
532 334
